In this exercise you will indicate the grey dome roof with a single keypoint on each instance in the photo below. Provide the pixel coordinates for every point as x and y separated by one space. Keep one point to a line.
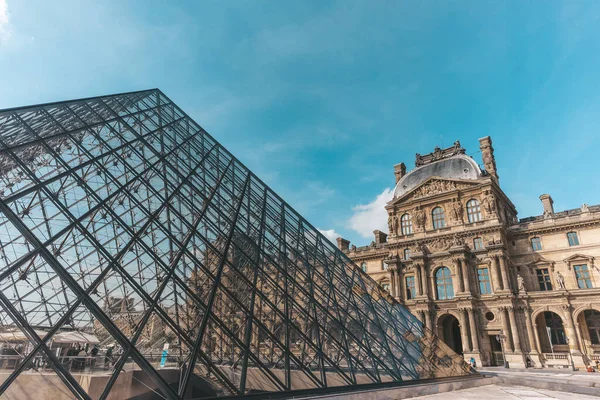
456 167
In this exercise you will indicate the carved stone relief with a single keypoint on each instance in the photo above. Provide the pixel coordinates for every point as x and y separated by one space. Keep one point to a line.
489 204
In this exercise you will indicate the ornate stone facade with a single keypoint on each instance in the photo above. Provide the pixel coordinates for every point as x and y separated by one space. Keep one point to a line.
492 286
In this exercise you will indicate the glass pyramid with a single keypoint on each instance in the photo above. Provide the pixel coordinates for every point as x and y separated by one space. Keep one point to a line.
140 259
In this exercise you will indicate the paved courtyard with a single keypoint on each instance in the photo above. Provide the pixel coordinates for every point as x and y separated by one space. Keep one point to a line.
493 392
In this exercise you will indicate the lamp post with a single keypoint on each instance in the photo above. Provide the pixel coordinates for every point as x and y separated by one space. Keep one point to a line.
570 354
501 337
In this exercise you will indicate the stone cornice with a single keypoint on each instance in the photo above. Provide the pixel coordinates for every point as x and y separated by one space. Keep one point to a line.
540 227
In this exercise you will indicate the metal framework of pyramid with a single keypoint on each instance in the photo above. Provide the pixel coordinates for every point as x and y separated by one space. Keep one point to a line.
124 226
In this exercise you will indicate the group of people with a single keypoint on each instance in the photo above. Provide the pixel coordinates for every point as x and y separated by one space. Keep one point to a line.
78 357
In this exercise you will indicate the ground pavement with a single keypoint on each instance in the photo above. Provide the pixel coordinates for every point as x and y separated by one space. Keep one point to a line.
501 392
530 384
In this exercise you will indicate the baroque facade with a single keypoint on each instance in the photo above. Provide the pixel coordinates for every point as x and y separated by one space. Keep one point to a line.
496 288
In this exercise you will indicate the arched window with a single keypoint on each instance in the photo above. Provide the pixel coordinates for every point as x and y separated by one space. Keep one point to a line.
363 266
473 210
592 320
438 217
557 331
443 283
406 224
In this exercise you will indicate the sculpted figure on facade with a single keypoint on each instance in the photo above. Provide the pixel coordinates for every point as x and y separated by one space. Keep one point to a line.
437 154
420 217
457 240
434 187
585 208
521 282
396 222
391 225
489 204
419 160
456 211
560 280
457 148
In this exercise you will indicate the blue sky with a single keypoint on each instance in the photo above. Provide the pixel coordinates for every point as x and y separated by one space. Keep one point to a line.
321 99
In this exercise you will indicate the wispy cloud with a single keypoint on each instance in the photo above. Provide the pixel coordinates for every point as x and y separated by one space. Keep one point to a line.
5 30
330 234
371 216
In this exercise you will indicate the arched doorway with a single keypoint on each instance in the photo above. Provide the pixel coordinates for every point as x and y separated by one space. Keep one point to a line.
449 331
551 332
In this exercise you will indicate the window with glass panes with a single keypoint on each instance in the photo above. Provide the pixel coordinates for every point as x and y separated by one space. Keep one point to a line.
438 217
557 330
443 280
582 274
384 266
406 224
473 210
592 320
483 275
386 287
406 254
364 266
536 243
573 239
477 243
410 287
544 279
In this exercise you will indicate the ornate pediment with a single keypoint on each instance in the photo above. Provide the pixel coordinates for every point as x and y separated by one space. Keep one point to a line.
578 257
435 185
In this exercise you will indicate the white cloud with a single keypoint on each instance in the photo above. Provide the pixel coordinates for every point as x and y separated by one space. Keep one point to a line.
368 217
330 234
5 31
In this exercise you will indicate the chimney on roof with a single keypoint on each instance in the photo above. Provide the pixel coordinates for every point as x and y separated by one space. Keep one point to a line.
399 171
548 204
343 244
487 155
380 237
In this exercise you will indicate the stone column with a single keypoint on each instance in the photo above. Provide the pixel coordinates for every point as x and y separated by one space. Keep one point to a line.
474 331
428 319
504 271
466 277
424 280
392 270
399 282
464 330
417 268
514 329
506 330
573 340
496 282
459 272
530 332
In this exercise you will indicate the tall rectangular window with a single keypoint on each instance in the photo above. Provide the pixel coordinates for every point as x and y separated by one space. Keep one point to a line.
406 254
483 275
384 266
477 243
573 239
584 281
544 279
536 244
410 288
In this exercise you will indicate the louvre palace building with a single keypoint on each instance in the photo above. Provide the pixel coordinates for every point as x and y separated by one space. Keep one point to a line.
494 287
